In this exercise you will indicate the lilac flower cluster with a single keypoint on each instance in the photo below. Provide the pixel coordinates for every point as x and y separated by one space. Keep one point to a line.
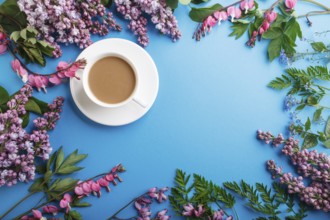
18 148
142 204
313 166
161 15
68 21
190 211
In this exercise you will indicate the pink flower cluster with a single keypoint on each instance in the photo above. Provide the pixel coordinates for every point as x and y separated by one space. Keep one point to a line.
39 81
290 4
142 204
82 190
217 17
3 42
190 211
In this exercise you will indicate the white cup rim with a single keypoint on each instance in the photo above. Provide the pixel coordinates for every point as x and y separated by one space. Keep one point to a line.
86 86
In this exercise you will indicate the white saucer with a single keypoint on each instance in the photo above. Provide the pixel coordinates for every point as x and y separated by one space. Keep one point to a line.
148 79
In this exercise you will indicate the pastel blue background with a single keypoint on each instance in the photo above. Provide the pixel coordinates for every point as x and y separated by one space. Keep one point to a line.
212 99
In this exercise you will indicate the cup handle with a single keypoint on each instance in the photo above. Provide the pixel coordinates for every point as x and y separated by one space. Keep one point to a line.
140 102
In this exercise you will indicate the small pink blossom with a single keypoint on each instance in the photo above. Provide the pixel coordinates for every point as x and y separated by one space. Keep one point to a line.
65 202
96 188
234 12
247 5
36 214
290 4
153 193
209 22
55 79
40 82
110 178
3 48
271 16
200 211
188 210
265 25
21 71
104 183
161 194
3 43
261 30
66 70
51 209
220 16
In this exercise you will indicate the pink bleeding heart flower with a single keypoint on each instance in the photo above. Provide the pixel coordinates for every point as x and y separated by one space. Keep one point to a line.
65 202
21 71
290 4
55 79
271 16
3 48
3 43
50 209
66 70
161 194
162 215
209 22
36 214
40 82
247 5
234 12
199 211
96 188
261 31
220 16
78 190
265 25
110 178
188 210
153 193
104 183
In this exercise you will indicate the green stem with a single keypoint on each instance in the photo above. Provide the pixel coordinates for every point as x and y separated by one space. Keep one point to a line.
235 212
114 216
317 3
313 13
216 202
17 204
53 199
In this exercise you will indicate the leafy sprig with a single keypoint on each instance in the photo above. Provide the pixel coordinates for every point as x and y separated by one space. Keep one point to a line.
308 85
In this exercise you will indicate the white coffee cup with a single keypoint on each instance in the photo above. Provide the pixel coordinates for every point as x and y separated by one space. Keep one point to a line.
133 97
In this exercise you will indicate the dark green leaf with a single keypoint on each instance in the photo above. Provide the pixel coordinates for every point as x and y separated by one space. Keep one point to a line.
4 96
82 204
272 33
327 128
32 106
200 14
327 143
173 4
51 160
38 58
317 114
309 141
308 124
238 29
48 175
68 169
59 159
75 215
10 7
64 185
37 185
196 2
73 158
312 100
300 107
26 119
42 105
274 48
41 169
319 46
292 29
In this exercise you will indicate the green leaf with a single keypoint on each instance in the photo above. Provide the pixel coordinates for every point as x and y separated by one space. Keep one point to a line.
308 124
73 158
238 29
42 105
82 204
74 215
63 185
319 46
185 2
327 128
106 3
274 48
200 14
312 100
327 143
280 83
51 160
173 4
196 2
15 36
37 185
317 114
32 106
309 141
68 169
10 7
48 175
59 159
292 29
41 169
300 107
26 119
23 34
4 96
272 33
38 58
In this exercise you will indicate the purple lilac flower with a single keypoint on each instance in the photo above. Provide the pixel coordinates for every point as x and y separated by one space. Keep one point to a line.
311 165
18 148
161 15
68 21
